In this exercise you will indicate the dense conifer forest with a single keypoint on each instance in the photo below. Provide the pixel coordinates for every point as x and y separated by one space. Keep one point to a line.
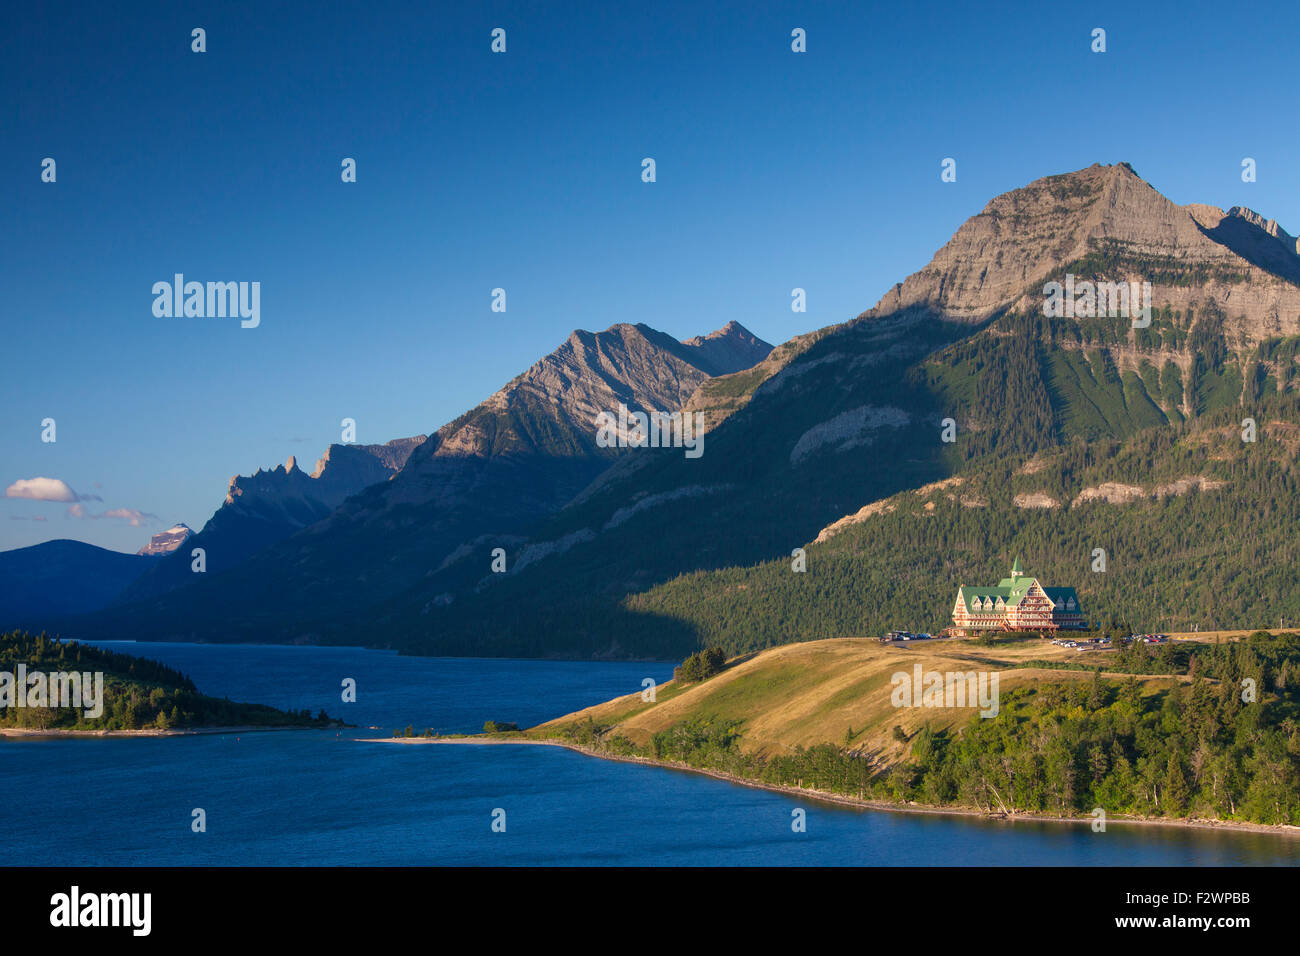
139 694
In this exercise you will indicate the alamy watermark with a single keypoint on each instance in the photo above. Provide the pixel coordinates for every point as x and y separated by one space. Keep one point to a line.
1089 300
55 689
75 908
946 689
213 300
651 430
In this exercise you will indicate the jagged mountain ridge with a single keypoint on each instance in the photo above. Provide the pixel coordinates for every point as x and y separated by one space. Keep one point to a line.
524 451
289 495
1257 240
271 504
732 348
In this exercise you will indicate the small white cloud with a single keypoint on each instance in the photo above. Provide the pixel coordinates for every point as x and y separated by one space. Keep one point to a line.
46 489
41 489
136 518
131 515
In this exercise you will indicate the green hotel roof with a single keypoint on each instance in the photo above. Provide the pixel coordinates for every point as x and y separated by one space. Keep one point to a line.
1012 591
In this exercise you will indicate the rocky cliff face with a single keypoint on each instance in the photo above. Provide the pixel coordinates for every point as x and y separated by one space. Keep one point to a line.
548 413
1001 258
289 495
271 504
633 364
1257 240
1225 290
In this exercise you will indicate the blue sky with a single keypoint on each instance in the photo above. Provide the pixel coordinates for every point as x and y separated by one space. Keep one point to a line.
522 170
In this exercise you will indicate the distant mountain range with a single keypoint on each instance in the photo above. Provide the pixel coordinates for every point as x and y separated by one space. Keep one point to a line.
641 552
269 506
330 548
57 578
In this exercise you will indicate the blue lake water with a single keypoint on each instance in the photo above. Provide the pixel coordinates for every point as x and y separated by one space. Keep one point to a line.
328 798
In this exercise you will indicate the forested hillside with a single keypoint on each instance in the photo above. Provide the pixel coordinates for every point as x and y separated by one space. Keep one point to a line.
1022 388
1198 529
138 693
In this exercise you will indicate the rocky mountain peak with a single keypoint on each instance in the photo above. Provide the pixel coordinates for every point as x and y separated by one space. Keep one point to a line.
1268 226
732 348
531 446
1108 218
391 455
592 372
342 471
165 542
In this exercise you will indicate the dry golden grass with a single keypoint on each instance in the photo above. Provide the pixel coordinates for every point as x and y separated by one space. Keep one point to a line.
814 692
1209 637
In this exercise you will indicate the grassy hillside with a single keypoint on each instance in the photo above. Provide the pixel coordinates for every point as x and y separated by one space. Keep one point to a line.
800 695
1135 731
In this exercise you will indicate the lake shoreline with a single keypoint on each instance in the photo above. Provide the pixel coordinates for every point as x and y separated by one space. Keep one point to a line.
28 732
844 800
